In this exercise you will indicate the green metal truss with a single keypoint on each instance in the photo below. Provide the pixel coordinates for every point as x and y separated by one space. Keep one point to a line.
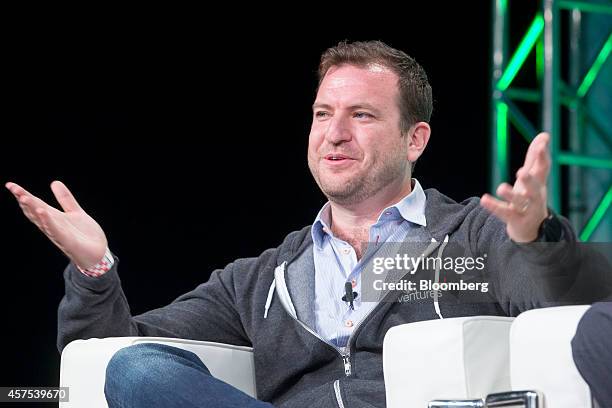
551 93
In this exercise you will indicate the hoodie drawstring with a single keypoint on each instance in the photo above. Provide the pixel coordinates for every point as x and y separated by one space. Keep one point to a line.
437 276
269 299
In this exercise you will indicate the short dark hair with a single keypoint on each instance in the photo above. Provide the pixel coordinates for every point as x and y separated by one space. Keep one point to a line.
415 100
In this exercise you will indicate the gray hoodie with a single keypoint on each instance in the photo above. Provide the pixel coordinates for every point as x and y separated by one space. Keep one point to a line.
294 366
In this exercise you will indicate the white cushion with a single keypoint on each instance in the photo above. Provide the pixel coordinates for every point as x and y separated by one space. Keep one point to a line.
541 356
457 358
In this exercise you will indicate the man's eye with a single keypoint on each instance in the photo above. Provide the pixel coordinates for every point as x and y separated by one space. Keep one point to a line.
362 115
321 114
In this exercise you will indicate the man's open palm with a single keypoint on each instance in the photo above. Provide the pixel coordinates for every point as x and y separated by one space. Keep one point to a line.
73 231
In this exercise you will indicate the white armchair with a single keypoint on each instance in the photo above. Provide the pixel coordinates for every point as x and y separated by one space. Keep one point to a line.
458 359
459 362
83 365
541 356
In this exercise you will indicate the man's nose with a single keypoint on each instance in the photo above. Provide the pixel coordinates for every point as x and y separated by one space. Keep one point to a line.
338 130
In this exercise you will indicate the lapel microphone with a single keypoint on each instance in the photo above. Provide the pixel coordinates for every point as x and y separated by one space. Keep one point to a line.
349 295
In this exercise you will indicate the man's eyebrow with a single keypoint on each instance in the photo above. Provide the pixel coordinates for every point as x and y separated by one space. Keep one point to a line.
352 107
364 106
321 105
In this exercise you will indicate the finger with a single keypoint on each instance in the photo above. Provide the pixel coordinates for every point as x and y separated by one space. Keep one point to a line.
499 208
32 214
504 190
25 203
530 185
16 189
31 202
24 197
64 196
540 140
36 210
517 197
521 189
541 166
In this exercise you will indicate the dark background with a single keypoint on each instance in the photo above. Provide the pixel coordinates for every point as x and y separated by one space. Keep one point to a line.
187 142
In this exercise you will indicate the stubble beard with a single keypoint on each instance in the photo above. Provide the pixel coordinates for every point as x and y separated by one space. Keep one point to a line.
364 184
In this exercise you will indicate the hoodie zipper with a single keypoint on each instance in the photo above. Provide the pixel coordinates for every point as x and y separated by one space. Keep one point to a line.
345 352
347 364
345 355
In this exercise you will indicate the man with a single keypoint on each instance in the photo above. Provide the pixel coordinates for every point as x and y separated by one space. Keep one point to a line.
313 346
592 351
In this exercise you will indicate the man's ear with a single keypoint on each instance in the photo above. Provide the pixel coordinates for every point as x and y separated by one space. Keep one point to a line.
418 136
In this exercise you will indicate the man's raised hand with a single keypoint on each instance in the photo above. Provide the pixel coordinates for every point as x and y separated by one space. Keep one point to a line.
73 231
523 207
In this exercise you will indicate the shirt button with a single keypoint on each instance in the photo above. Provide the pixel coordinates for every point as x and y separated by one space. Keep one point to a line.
348 323
388 213
346 250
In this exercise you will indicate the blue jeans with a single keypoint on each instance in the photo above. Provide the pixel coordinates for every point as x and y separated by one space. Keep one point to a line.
157 375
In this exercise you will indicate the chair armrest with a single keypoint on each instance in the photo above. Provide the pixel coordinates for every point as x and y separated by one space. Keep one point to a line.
457 358
83 365
541 356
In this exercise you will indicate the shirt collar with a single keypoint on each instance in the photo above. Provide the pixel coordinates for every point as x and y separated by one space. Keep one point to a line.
411 208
